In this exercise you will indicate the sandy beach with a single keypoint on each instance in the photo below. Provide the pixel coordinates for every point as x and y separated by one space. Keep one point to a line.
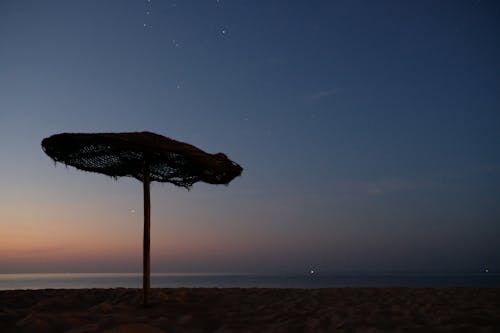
252 310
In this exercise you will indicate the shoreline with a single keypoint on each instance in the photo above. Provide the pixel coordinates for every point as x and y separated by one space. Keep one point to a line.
169 280
251 310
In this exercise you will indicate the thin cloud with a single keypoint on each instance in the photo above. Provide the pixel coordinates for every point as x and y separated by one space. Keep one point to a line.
386 186
390 185
323 94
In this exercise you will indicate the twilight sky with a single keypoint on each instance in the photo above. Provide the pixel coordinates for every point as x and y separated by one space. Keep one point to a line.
369 133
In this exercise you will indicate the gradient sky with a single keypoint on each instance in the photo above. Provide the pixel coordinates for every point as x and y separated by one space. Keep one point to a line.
369 133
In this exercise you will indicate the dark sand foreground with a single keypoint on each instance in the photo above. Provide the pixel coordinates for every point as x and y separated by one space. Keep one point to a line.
252 310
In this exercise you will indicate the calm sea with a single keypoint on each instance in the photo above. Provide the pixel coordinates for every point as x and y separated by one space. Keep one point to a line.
169 280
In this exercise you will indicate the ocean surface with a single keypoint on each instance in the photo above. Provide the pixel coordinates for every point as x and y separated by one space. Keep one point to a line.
171 280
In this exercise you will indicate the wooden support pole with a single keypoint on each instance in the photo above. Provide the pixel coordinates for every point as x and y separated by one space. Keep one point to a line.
146 270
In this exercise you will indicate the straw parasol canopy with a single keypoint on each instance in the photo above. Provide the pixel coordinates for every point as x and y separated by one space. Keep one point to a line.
145 156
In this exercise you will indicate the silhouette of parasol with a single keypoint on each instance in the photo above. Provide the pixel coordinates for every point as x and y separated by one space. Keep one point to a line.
145 156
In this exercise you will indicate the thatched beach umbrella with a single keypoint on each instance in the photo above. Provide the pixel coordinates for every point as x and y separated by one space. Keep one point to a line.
145 156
